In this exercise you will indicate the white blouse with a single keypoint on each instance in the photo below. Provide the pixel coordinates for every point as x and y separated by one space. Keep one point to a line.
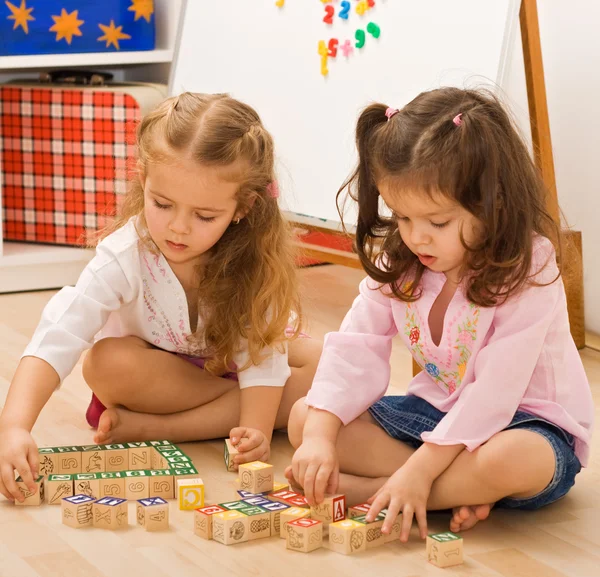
126 290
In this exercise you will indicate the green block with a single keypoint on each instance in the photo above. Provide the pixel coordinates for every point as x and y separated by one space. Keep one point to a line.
362 519
183 466
235 506
87 476
159 443
68 449
86 448
181 459
165 448
47 451
139 445
136 473
113 446
110 475
445 537
172 453
60 477
255 510
160 473
189 470
19 480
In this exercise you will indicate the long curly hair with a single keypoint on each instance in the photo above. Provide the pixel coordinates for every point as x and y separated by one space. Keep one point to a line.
248 287
482 164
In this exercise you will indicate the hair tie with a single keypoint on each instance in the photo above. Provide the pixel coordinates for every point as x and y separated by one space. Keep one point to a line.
390 112
457 119
273 189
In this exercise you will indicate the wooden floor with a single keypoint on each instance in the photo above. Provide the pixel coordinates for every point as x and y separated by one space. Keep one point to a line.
563 539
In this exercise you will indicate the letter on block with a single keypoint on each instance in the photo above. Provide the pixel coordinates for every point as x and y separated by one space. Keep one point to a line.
77 511
229 452
31 499
57 487
304 535
445 549
140 456
190 494
256 477
331 510
153 514
110 513
203 520
347 537
230 527
291 514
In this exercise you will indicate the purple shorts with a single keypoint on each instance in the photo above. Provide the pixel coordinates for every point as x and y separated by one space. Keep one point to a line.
199 362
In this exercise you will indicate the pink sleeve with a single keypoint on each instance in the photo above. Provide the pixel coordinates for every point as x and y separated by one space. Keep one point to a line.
504 366
354 370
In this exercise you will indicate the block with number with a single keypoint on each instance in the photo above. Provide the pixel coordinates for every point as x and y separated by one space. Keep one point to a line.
358 510
229 452
304 535
112 484
375 537
347 537
110 513
190 494
259 525
69 460
93 459
140 456
230 527
137 485
291 514
31 499
57 487
162 484
444 549
48 460
276 509
87 484
330 510
203 520
77 511
256 477
116 457
153 514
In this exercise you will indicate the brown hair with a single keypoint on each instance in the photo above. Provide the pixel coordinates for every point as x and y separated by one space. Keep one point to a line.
248 288
482 164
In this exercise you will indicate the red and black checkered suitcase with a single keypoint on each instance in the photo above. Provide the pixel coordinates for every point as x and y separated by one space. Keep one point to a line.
65 152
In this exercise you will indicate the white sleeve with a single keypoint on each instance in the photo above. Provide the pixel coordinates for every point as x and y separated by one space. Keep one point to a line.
74 315
274 371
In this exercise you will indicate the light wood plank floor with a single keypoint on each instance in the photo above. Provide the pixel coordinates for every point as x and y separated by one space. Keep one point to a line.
561 540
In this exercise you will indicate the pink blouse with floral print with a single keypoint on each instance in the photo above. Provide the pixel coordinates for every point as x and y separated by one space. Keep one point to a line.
490 362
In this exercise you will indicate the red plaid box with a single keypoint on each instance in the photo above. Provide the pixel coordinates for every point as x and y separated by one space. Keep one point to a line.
64 157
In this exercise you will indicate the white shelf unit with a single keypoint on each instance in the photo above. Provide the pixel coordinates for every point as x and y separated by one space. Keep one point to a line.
29 266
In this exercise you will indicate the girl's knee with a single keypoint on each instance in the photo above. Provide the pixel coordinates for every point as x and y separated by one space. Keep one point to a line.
296 422
108 358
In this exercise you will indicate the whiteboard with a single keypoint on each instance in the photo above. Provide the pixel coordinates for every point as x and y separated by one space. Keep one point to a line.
268 57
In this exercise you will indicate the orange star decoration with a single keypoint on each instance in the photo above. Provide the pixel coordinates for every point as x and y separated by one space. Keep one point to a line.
20 15
142 9
66 26
112 34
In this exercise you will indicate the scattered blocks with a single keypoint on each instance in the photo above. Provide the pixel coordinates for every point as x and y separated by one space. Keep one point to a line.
289 515
153 514
347 537
110 513
31 499
230 527
203 520
256 477
375 537
331 510
229 453
190 494
444 549
304 535
57 487
77 511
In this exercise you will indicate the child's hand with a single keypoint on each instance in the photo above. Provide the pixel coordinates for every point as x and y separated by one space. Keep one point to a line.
19 452
252 444
405 491
315 467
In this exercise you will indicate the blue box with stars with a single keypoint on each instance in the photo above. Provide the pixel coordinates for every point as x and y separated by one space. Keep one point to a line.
74 26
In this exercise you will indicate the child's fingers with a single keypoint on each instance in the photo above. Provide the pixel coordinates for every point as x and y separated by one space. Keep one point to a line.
407 519
34 461
421 515
390 517
334 481
24 471
236 434
379 502
4 491
8 477
256 454
309 483
321 480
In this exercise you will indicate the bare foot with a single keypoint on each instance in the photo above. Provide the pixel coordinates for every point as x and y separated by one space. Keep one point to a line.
465 518
119 425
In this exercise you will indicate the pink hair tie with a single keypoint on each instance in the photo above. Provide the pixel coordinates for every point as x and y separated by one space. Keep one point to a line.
273 189
390 112
457 119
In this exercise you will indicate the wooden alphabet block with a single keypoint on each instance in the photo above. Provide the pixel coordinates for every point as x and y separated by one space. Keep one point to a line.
283 496
280 486
31 499
347 537
157 460
358 510
234 505
256 501
77 511
57 487
137 485
163 443
230 527
48 460
93 459
190 494
203 520
86 484
187 471
110 513
229 452
256 477
112 484
116 457
162 484
331 510
276 509
153 514
291 514
396 530
304 535
444 549
69 460
259 525
375 537
140 456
